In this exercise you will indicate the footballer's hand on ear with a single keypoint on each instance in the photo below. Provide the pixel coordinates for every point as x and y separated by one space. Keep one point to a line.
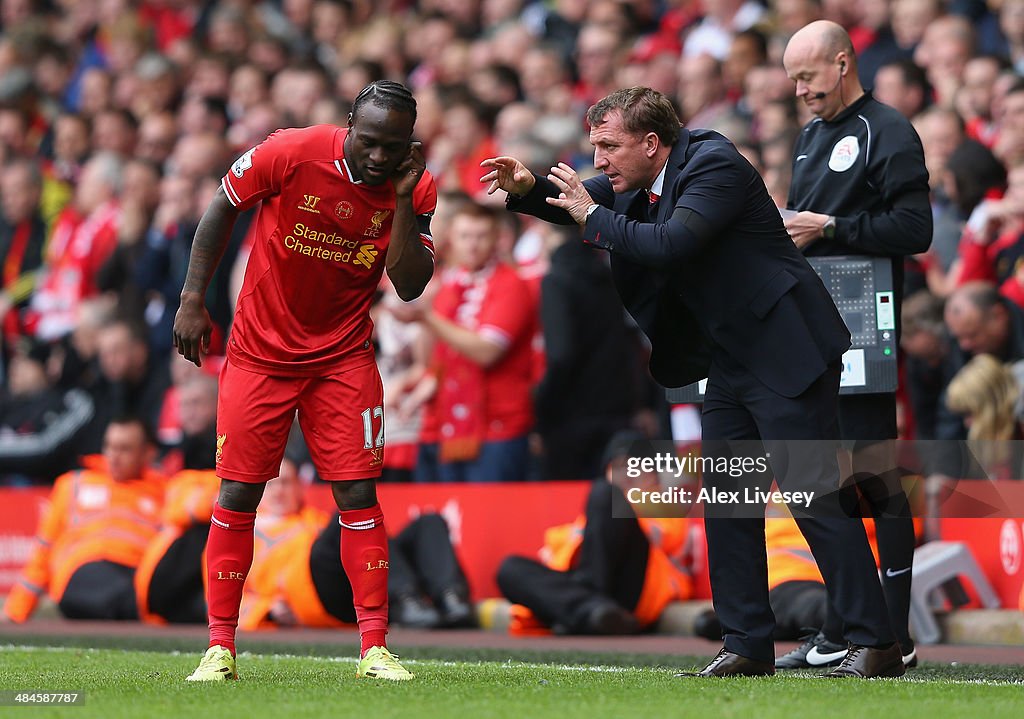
409 172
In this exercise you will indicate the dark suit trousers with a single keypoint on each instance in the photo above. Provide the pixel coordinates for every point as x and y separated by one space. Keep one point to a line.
737 406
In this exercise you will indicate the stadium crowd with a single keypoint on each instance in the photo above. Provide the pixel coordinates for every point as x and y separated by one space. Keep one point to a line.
118 119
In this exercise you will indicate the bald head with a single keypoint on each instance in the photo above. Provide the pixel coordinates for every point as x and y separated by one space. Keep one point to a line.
820 60
820 40
978 319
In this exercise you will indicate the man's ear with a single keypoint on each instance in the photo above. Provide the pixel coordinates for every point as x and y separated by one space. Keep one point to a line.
651 143
350 119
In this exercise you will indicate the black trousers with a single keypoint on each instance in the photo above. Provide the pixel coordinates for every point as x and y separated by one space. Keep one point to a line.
612 564
176 587
737 406
867 423
100 590
421 560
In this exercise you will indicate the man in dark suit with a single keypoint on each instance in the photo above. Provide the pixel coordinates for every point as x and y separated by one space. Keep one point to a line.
702 261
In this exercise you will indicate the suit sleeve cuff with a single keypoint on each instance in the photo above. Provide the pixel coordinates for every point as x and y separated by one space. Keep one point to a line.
592 234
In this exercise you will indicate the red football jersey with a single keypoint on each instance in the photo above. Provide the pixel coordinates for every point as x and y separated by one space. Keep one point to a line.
320 245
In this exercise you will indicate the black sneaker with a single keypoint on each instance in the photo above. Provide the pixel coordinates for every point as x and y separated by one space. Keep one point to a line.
815 652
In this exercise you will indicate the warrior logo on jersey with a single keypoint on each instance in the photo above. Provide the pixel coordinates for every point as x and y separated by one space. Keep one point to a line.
309 203
376 223
243 163
844 154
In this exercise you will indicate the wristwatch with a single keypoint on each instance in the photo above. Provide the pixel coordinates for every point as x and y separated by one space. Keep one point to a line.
590 211
828 230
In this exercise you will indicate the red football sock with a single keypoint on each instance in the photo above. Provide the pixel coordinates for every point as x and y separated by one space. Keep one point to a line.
364 555
228 559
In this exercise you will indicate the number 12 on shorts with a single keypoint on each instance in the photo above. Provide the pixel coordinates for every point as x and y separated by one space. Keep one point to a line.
369 415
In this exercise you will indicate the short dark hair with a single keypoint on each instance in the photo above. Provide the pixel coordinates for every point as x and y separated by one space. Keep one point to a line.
128 418
911 73
643 110
388 95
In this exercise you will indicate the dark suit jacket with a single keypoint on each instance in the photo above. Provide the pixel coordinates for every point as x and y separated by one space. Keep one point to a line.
748 292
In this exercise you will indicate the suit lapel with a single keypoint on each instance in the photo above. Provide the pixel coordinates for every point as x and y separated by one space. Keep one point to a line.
676 162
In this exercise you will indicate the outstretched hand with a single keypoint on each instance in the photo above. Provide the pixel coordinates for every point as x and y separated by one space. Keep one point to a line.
573 197
409 172
508 174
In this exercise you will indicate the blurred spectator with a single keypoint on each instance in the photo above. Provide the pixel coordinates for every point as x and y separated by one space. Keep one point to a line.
427 587
1009 143
1011 22
607 572
902 84
598 50
115 131
577 410
944 50
157 134
702 92
977 94
980 322
84 236
483 323
40 425
749 49
22 236
169 579
94 531
925 344
986 394
722 19
130 381
401 358
195 446
991 249
875 43
464 143
941 131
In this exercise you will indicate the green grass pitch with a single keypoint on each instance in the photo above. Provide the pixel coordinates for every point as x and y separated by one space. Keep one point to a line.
134 683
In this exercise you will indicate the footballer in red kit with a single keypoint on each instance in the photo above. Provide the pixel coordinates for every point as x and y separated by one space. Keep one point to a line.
339 207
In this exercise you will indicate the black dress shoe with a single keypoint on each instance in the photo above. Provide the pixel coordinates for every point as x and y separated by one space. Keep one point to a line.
869 663
728 664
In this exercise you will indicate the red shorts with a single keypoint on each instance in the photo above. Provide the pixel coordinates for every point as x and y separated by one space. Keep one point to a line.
341 416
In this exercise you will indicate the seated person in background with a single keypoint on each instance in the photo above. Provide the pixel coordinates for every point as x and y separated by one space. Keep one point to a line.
94 531
987 395
294 579
600 574
169 580
428 587
40 425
